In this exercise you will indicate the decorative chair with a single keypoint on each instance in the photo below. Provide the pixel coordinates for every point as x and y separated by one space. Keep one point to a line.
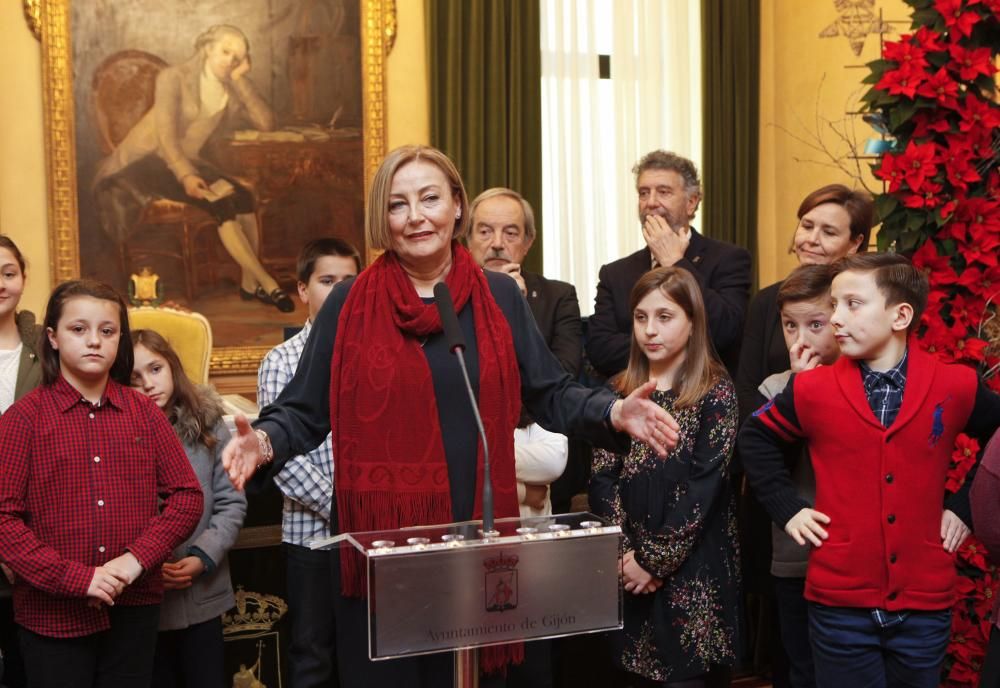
122 91
190 334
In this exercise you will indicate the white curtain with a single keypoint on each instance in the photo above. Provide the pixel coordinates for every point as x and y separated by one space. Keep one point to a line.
594 130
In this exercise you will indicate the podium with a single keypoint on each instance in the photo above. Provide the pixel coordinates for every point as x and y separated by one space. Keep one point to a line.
453 588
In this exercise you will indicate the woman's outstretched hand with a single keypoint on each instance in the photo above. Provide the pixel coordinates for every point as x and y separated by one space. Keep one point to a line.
242 455
645 421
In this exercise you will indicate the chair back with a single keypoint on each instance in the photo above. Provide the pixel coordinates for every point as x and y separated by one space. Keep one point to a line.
122 91
190 335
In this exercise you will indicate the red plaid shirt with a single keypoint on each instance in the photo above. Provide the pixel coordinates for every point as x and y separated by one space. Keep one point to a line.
80 484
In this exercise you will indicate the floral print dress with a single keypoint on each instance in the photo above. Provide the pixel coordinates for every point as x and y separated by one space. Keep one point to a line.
678 514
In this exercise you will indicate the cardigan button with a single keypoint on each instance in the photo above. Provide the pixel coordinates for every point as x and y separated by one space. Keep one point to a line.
892 596
888 478
891 519
892 558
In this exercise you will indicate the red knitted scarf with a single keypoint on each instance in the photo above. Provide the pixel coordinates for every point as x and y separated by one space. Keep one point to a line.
387 447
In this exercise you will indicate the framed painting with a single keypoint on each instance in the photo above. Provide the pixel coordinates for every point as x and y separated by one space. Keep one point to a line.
205 142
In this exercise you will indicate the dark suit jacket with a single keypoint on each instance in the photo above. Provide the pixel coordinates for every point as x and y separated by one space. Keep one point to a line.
762 351
557 314
722 271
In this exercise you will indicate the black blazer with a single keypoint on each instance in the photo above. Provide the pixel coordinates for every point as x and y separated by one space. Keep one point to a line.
763 351
557 314
722 271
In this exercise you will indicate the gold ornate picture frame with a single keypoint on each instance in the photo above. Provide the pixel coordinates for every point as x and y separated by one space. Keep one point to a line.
62 110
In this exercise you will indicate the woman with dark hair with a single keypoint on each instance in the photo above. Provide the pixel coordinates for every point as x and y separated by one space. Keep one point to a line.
161 155
377 371
834 221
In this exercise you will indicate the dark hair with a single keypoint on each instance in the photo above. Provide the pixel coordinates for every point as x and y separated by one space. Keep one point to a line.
805 283
700 369
665 160
317 248
121 369
859 206
895 277
191 410
7 243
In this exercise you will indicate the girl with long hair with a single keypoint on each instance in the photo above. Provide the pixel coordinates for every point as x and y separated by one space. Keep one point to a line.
680 569
189 650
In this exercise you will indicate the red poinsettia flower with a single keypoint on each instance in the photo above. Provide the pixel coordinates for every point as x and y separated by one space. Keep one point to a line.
984 240
958 19
929 197
902 81
890 170
919 162
973 553
982 215
983 282
927 259
994 6
966 449
927 123
970 63
905 53
940 88
929 39
937 340
957 158
965 310
982 254
978 115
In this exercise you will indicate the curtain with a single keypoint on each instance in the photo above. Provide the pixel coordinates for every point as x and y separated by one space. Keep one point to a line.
594 130
731 63
485 84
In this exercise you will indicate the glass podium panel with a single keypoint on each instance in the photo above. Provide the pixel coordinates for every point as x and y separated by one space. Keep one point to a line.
447 587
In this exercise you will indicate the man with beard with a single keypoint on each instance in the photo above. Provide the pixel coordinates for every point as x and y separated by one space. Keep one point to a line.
669 193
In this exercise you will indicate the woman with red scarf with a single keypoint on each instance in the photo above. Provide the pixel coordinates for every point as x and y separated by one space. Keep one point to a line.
378 374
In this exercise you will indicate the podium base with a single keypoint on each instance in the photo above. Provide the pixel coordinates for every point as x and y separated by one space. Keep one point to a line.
467 668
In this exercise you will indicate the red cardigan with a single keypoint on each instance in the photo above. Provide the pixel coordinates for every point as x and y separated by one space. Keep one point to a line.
883 489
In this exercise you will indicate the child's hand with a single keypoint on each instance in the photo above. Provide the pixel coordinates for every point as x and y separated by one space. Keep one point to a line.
125 568
802 357
104 587
807 526
637 580
7 573
180 574
953 531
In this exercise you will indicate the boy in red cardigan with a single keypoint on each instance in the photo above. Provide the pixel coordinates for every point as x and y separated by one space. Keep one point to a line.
880 425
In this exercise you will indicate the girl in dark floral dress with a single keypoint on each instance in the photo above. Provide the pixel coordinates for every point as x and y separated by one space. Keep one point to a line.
681 564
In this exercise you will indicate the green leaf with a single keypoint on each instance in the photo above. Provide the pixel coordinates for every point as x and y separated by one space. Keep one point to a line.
909 240
927 17
915 221
901 114
884 205
938 59
881 66
948 247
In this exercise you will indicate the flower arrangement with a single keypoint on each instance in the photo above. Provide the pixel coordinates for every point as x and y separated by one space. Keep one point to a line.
934 90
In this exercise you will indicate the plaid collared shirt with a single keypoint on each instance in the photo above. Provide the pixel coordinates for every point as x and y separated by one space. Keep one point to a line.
305 481
81 484
885 390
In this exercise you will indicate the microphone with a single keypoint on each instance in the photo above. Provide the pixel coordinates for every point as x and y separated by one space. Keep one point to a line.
456 344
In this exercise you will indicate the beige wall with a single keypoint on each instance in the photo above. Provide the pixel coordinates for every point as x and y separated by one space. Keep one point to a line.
804 76
23 200
22 159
